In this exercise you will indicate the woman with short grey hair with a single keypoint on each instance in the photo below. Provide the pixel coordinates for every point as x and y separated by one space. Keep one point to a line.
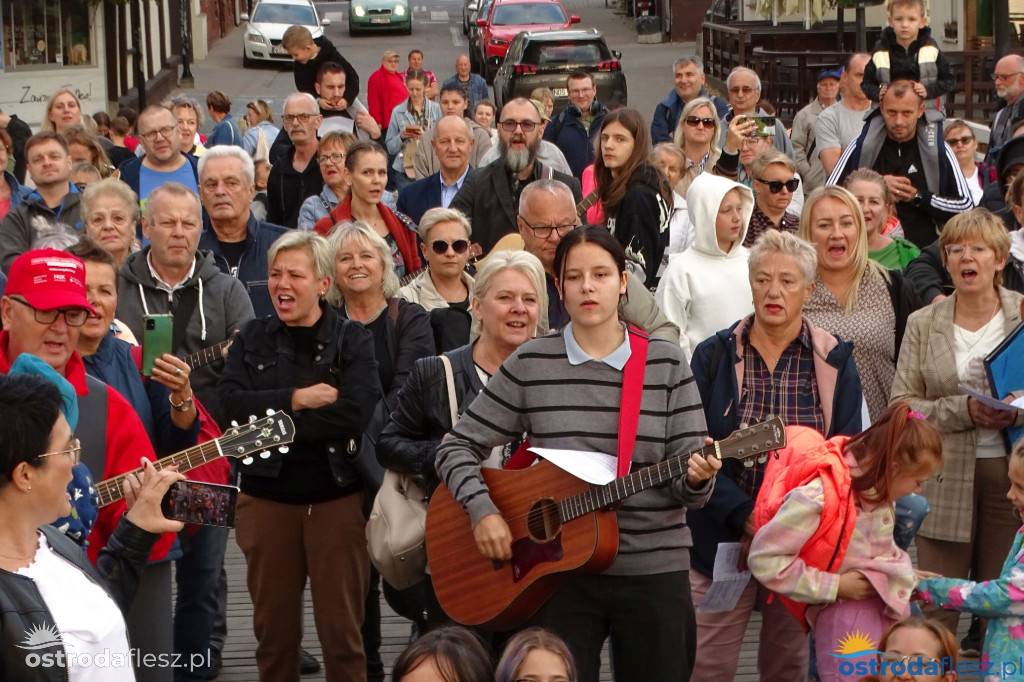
772 362
110 210
443 287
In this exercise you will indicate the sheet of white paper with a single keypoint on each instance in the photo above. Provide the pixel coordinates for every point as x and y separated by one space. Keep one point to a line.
994 403
592 467
727 583
342 124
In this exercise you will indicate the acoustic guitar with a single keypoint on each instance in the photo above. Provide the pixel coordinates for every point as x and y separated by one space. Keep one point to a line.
276 430
560 524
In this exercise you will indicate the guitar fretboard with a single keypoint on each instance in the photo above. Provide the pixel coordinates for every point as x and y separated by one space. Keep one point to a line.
206 356
112 489
586 203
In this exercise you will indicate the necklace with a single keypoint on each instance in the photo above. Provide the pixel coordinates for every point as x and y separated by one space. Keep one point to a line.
370 319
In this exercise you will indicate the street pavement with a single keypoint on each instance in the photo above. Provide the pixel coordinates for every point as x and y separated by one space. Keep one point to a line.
437 31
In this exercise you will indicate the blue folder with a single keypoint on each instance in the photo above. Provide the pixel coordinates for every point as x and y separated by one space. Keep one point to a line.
1005 368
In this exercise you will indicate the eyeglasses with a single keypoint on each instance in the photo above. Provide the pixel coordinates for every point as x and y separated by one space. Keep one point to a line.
337 158
440 246
775 186
301 118
528 126
694 121
75 451
1005 76
750 141
892 658
958 250
954 141
544 231
744 89
164 132
74 317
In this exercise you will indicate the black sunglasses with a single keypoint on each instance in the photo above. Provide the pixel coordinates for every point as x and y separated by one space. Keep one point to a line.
694 121
440 246
775 186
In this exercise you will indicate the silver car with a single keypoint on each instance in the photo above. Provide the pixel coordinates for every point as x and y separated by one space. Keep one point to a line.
269 20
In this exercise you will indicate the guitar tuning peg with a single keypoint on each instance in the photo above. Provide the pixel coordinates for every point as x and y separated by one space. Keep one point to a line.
747 463
252 418
270 412
247 461
234 423
264 455
283 449
762 459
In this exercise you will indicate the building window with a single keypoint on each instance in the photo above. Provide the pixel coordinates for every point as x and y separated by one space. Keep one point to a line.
46 34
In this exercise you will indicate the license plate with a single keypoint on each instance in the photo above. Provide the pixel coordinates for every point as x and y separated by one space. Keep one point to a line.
279 50
380 20
560 92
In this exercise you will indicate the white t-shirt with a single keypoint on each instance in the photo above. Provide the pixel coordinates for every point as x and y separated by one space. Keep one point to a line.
974 183
970 349
89 623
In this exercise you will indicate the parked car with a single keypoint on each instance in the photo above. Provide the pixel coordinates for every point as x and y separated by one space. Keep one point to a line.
270 19
478 8
366 16
507 19
544 59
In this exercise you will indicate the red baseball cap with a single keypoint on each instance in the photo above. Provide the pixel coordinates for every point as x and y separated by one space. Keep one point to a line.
49 279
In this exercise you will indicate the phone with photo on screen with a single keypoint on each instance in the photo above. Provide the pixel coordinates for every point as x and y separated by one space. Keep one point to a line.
206 504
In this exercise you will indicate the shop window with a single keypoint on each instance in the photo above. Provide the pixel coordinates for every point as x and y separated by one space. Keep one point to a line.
46 34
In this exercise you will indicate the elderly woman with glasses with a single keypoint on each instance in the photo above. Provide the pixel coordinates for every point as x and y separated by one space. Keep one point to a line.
775 361
775 182
47 583
443 288
330 156
970 529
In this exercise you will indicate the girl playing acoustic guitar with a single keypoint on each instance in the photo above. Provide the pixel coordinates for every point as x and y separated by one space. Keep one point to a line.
564 391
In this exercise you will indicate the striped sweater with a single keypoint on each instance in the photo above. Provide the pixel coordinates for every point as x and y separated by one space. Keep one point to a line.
559 405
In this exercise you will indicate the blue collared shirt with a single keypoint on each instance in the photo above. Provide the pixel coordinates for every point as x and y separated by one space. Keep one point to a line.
577 356
448 192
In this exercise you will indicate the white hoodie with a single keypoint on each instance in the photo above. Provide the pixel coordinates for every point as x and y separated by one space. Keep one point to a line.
705 289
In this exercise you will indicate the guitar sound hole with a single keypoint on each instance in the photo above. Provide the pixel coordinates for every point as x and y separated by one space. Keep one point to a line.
542 522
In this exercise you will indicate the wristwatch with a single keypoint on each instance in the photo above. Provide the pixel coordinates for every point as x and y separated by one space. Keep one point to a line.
184 406
917 201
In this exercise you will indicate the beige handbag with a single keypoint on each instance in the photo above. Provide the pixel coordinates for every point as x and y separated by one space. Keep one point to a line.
396 532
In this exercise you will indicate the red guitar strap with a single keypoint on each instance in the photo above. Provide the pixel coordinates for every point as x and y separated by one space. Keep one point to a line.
629 408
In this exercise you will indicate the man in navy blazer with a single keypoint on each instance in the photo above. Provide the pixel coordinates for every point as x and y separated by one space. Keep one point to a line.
452 142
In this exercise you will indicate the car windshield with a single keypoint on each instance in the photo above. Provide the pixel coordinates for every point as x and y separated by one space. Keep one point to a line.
275 13
566 52
528 13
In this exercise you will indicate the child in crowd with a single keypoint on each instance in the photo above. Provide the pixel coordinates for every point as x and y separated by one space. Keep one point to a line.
915 648
907 50
824 528
1000 600
260 201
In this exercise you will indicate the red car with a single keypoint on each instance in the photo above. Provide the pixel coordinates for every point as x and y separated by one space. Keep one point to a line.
507 19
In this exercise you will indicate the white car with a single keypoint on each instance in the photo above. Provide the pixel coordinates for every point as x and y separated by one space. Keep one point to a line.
269 20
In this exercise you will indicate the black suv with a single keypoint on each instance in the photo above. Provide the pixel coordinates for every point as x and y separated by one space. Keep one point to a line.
544 59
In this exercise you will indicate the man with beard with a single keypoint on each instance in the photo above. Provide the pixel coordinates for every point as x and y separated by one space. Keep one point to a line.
1009 78
490 195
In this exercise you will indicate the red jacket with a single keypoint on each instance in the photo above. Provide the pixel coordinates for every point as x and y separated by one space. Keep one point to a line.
127 441
384 92
808 456
403 236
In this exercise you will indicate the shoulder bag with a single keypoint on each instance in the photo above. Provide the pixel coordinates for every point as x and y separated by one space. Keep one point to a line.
396 532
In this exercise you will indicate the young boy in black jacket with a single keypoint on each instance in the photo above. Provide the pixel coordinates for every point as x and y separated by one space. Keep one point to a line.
310 54
906 50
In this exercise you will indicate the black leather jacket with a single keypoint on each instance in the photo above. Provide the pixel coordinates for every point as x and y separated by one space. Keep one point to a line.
22 607
422 418
259 375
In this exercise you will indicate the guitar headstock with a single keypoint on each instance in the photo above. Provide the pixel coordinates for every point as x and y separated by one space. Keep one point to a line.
754 441
276 430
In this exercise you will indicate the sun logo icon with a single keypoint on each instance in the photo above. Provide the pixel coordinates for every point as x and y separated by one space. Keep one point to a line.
41 637
855 644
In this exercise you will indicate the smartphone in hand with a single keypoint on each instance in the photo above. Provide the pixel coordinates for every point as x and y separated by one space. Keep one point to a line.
207 504
157 331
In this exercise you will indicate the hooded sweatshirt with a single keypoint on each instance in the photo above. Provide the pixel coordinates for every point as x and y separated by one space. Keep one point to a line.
704 289
222 306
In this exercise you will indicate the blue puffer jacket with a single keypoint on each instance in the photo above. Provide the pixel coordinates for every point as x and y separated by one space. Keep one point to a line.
715 365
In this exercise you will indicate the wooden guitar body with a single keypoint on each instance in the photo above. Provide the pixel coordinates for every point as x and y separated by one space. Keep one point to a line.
546 552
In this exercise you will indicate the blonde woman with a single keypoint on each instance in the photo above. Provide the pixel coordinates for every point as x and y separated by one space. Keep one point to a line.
262 132
697 135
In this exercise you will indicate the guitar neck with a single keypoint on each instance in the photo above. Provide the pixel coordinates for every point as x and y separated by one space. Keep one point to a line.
600 497
586 203
112 489
206 356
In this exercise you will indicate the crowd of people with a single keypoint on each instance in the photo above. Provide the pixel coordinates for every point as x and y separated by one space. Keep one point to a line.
694 271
